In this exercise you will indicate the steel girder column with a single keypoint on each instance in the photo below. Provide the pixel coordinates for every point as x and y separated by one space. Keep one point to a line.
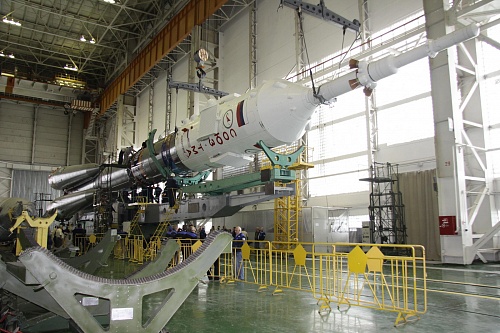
168 97
302 193
481 201
125 124
5 180
151 106
33 141
120 110
68 141
451 139
449 154
253 45
193 101
90 140
370 101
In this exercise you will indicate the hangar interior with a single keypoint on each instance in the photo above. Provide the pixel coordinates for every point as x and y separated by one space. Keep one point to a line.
83 81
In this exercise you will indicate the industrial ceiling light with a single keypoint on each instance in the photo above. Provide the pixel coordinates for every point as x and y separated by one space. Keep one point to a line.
71 68
110 1
11 21
92 41
5 55
83 38
201 56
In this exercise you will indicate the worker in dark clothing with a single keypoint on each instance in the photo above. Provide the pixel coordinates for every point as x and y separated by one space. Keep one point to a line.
238 241
79 234
188 238
203 233
170 189
150 193
261 237
157 193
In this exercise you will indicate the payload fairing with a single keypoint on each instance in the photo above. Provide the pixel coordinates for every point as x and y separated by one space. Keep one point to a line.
227 131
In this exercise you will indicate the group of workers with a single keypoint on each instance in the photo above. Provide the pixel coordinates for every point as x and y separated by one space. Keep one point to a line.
154 193
63 234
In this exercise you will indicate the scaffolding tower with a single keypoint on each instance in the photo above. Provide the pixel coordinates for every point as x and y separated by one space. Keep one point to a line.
387 214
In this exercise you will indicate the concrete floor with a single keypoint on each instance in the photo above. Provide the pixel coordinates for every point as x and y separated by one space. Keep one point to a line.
460 299
240 308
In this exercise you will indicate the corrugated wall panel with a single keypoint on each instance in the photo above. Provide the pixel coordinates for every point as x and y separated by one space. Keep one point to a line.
16 132
26 184
14 154
51 135
75 152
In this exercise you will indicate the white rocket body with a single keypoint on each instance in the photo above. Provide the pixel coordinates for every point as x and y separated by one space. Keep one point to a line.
227 131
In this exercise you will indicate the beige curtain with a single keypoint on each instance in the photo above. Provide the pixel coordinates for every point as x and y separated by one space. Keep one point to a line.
421 210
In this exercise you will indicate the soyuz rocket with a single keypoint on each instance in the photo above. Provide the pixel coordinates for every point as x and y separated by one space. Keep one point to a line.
227 131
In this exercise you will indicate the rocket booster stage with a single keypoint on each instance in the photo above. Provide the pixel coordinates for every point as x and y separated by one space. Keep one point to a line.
226 132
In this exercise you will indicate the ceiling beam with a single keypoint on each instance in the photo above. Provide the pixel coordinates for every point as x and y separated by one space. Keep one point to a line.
194 13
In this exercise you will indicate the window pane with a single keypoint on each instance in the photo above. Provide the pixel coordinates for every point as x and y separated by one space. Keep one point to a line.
346 105
407 122
339 139
410 80
347 165
345 183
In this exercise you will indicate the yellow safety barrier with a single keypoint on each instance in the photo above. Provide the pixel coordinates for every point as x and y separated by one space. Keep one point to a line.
120 251
135 245
342 274
367 278
85 243
153 247
81 241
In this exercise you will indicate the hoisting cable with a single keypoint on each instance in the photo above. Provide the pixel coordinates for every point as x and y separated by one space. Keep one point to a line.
348 50
176 111
301 31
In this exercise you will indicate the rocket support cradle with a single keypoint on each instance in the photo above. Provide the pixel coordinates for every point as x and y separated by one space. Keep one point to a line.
227 131
85 295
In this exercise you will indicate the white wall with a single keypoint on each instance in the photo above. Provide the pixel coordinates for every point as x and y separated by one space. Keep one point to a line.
160 105
384 13
19 131
234 55
142 115
275 41
179 97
